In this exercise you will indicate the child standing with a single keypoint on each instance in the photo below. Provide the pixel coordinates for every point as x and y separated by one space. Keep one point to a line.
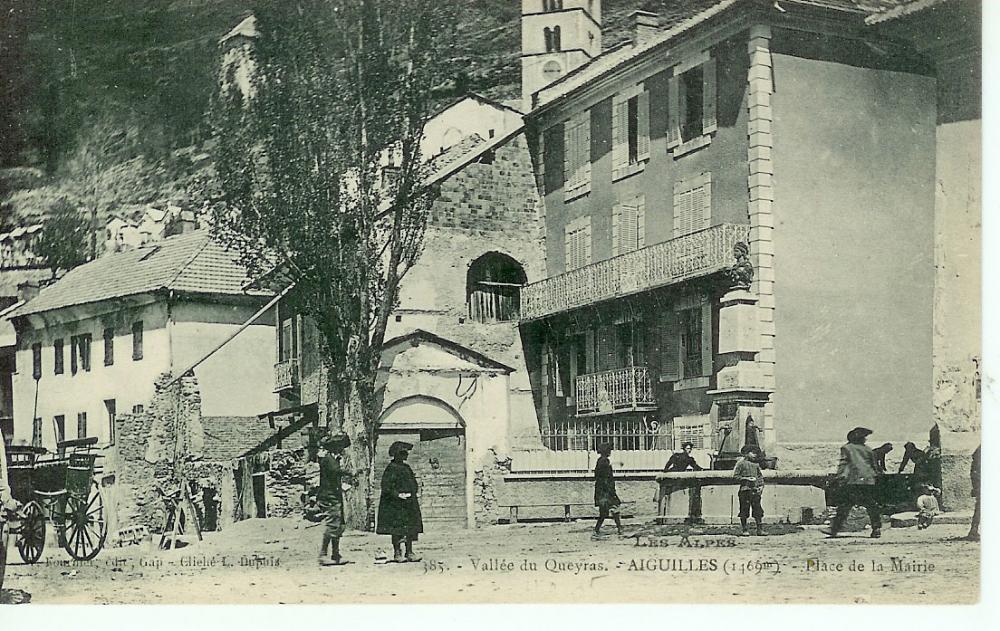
751 479
927 505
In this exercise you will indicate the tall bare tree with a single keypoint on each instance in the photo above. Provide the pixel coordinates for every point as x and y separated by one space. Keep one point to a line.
340 91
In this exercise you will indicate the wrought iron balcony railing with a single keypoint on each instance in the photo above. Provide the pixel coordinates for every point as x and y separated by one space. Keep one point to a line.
619 390
691 256
286 375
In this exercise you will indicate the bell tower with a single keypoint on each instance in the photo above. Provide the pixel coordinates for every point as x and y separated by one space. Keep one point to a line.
557 36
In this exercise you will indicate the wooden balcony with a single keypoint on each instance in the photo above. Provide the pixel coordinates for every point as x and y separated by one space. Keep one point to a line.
691 256
286 375
620 390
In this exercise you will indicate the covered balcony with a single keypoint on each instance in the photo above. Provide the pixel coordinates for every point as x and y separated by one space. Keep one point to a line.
620 390
691 256
286 375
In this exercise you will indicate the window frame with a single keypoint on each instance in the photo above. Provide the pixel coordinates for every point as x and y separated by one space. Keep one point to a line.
577 159
58 357
626 216
699 190
81 425
677 107
578 243
137 340
36 361
109 346
628 157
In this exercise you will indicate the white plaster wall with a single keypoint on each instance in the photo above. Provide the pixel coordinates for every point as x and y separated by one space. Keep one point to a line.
468 116
128 381
238 380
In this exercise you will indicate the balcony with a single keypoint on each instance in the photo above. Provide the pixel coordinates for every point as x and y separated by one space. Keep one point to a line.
286 375
697 254
620 390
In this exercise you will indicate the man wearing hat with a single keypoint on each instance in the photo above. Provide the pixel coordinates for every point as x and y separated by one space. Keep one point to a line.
333 480
398 507
747 471
856 474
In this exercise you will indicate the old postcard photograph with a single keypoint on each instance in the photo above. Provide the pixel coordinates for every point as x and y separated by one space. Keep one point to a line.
491 302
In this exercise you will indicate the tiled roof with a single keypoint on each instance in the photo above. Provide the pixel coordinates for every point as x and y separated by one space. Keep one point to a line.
902 10
616 57
191 262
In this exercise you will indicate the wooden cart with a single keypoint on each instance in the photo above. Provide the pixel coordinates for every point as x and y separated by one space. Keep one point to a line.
61 489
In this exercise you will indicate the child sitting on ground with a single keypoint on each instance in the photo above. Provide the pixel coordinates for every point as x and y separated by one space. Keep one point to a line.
927 505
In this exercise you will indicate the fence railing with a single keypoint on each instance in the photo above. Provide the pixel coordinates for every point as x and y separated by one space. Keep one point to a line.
614 391
693 255
286 375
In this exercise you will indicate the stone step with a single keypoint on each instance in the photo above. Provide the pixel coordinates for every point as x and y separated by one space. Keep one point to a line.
909 518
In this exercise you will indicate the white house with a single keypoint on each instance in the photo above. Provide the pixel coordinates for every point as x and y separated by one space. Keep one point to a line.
92 344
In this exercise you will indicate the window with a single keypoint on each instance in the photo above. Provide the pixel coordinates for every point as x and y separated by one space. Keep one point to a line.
552 5
578 243
137 340
36 360
80 353
553 39
109 347
630 132
628 226
576 167
81 425
60 423
493 288
686 341
692 204
695 429
36 432
111 407
691 112
287 342
691 333
137 409
58 357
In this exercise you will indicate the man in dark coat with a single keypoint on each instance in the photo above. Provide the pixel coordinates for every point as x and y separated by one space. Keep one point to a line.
398 507
856 475
605 496
684 461
333 477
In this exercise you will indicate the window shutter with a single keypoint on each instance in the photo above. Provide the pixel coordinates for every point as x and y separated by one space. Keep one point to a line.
616 231
586 244
706 202
605 348
673 112
640 221
682 213
643 110
708 82
569 248
584 149
619 137
706 339
569 149
627 231
591 360
670 348
696 217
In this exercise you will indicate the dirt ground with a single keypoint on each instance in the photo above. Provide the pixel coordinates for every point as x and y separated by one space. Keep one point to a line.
271 561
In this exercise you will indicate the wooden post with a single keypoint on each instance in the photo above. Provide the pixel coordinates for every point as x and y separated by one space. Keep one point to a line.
189 508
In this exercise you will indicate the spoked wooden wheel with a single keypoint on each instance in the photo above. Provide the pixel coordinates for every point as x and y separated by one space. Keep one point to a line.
32 540
85 525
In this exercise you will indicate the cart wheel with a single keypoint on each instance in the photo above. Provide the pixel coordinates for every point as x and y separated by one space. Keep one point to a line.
32 540
85 525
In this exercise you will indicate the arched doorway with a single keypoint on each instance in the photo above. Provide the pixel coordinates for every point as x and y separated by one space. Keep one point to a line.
493 288
438 458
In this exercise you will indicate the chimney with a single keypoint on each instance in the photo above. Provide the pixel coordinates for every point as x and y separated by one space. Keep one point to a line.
27 291
645 26
187 222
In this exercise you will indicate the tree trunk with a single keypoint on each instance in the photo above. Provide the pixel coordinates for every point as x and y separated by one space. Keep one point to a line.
346 413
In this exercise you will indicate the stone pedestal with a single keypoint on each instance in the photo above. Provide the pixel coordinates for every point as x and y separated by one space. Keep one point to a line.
741 390
956 461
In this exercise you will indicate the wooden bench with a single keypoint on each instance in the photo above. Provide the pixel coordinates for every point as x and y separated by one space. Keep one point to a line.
627 509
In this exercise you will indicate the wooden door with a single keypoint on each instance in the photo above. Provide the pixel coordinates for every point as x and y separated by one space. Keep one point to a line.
438 462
